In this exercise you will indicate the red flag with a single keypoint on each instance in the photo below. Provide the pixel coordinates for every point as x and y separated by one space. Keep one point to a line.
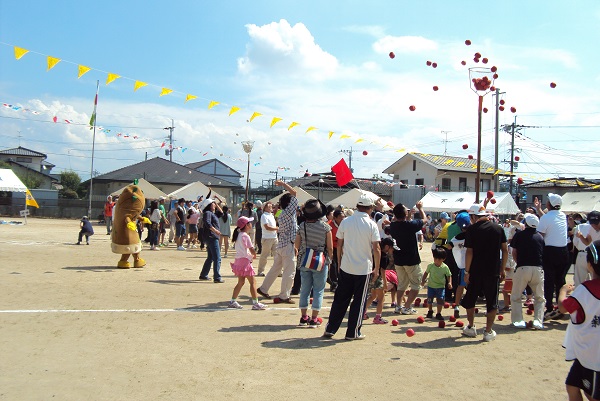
343 175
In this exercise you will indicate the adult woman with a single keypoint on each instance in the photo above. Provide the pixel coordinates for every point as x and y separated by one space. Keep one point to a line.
211 232
313 234
155 217
225 224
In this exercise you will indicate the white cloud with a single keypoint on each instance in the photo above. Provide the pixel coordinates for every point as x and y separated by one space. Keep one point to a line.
404 44
281 49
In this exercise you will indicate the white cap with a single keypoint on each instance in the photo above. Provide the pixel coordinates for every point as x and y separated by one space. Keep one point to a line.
531 220
258 203
205 203
554 199
364 200
477 210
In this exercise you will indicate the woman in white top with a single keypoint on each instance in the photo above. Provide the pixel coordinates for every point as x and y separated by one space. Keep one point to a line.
155 217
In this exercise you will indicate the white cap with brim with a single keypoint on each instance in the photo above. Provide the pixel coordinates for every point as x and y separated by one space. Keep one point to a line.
365 201
531 220
205 203
554 199
477 210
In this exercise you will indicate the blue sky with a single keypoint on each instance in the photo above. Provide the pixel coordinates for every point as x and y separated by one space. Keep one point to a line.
321 64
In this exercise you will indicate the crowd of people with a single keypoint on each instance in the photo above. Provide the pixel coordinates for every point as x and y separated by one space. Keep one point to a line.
373 248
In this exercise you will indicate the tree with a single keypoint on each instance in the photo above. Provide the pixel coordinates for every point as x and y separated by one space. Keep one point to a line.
70 181
30 181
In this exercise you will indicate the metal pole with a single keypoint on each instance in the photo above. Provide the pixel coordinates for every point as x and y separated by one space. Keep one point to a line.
512 157
478 179
171 128
93 148
248 178
497 139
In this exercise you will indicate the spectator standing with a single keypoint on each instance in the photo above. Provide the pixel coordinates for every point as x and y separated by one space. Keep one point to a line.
211 233
108 213
269 236
258 227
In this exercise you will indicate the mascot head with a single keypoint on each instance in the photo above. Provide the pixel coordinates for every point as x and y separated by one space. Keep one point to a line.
132 201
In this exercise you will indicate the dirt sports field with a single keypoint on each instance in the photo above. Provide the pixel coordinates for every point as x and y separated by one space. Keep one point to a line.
73 327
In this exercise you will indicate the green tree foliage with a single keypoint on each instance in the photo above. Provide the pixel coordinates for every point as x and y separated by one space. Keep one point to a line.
70 181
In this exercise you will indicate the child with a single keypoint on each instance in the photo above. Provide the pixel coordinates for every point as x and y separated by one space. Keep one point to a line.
439 274
583 332
392 284
242 265
379 284
86 229
459 251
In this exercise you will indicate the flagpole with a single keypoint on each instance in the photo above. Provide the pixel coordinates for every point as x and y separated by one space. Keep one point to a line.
93 120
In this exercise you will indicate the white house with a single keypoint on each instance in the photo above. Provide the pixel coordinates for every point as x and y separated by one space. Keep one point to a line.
442 173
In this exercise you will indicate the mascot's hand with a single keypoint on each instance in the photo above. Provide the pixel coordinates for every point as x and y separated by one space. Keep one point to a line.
131 225
146 220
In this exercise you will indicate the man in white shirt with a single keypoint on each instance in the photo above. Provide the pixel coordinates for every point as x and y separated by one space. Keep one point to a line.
357 251
584 235
269 236
553 226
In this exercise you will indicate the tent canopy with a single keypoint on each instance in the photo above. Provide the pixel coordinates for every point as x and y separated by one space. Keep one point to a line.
301 195
454 201
150 191
350 198
580 202
190 192
9 181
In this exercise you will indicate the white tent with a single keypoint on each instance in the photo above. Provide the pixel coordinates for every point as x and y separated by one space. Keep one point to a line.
454 201
350 198
150 191
301 195
190 191
580 202
9 182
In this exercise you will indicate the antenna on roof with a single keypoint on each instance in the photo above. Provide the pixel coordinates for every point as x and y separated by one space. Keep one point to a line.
445 142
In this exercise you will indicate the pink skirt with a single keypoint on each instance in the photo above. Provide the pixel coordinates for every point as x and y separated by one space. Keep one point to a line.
242 267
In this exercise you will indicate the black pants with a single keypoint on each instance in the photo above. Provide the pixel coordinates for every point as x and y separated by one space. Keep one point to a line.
333 271
556 264
84 233
258 239
451 263
353 288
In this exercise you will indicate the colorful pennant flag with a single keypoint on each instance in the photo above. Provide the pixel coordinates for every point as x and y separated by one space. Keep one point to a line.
138 84
212 104
330 134
343 175
234 109
52 61
254 115
29 200
20 52
82 70
111 77
93 119
292 125
165 91
274 121
310 129
190 97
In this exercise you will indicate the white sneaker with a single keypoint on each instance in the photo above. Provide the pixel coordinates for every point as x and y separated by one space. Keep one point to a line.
538 325
397 310
520 324
491 336
469 331
180 248
235 305
259 306
408 311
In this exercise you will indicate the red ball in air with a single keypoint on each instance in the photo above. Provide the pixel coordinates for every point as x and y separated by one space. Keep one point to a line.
365 153
493 201
412 108
519 181
552 85
468 42
428 63
493 88
502 101
475 59
434 65
513 109
517 158
494 68
490 194
392 55
485 110
410 332
470 157
435 88
477 55
463 62
390 204
465 146
501 108
484 60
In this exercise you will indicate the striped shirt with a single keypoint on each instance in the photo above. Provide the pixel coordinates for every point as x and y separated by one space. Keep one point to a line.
288 224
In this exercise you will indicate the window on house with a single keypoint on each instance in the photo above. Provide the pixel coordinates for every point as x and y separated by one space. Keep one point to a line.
404 181
446 183
485 185
414 165
24 160
462 184
420 181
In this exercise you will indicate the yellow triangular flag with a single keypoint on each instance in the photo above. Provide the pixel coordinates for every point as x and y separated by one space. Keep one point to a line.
165 91
254 115
29 200
234 109
52 61
190 97
138 84
359 140
20 52
274 121
292 125
111 77
344 136
330 134
82 70
212 104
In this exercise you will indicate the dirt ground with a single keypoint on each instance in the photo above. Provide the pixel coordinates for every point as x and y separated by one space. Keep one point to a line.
74 327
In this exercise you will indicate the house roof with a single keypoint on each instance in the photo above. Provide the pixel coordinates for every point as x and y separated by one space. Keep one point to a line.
196 165
330 184
33 171
21 151
561 183
162 171
442 162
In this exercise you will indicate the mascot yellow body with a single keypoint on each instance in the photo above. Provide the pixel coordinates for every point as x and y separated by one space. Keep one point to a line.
125 238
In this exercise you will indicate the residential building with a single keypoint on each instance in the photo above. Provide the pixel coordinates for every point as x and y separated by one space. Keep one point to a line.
30 166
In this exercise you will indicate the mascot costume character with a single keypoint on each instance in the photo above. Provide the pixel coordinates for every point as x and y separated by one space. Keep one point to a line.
125 238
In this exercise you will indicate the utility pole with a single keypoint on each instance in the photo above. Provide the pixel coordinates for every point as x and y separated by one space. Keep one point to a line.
349 153
512 157
170 150
497 139
276 172
445 141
